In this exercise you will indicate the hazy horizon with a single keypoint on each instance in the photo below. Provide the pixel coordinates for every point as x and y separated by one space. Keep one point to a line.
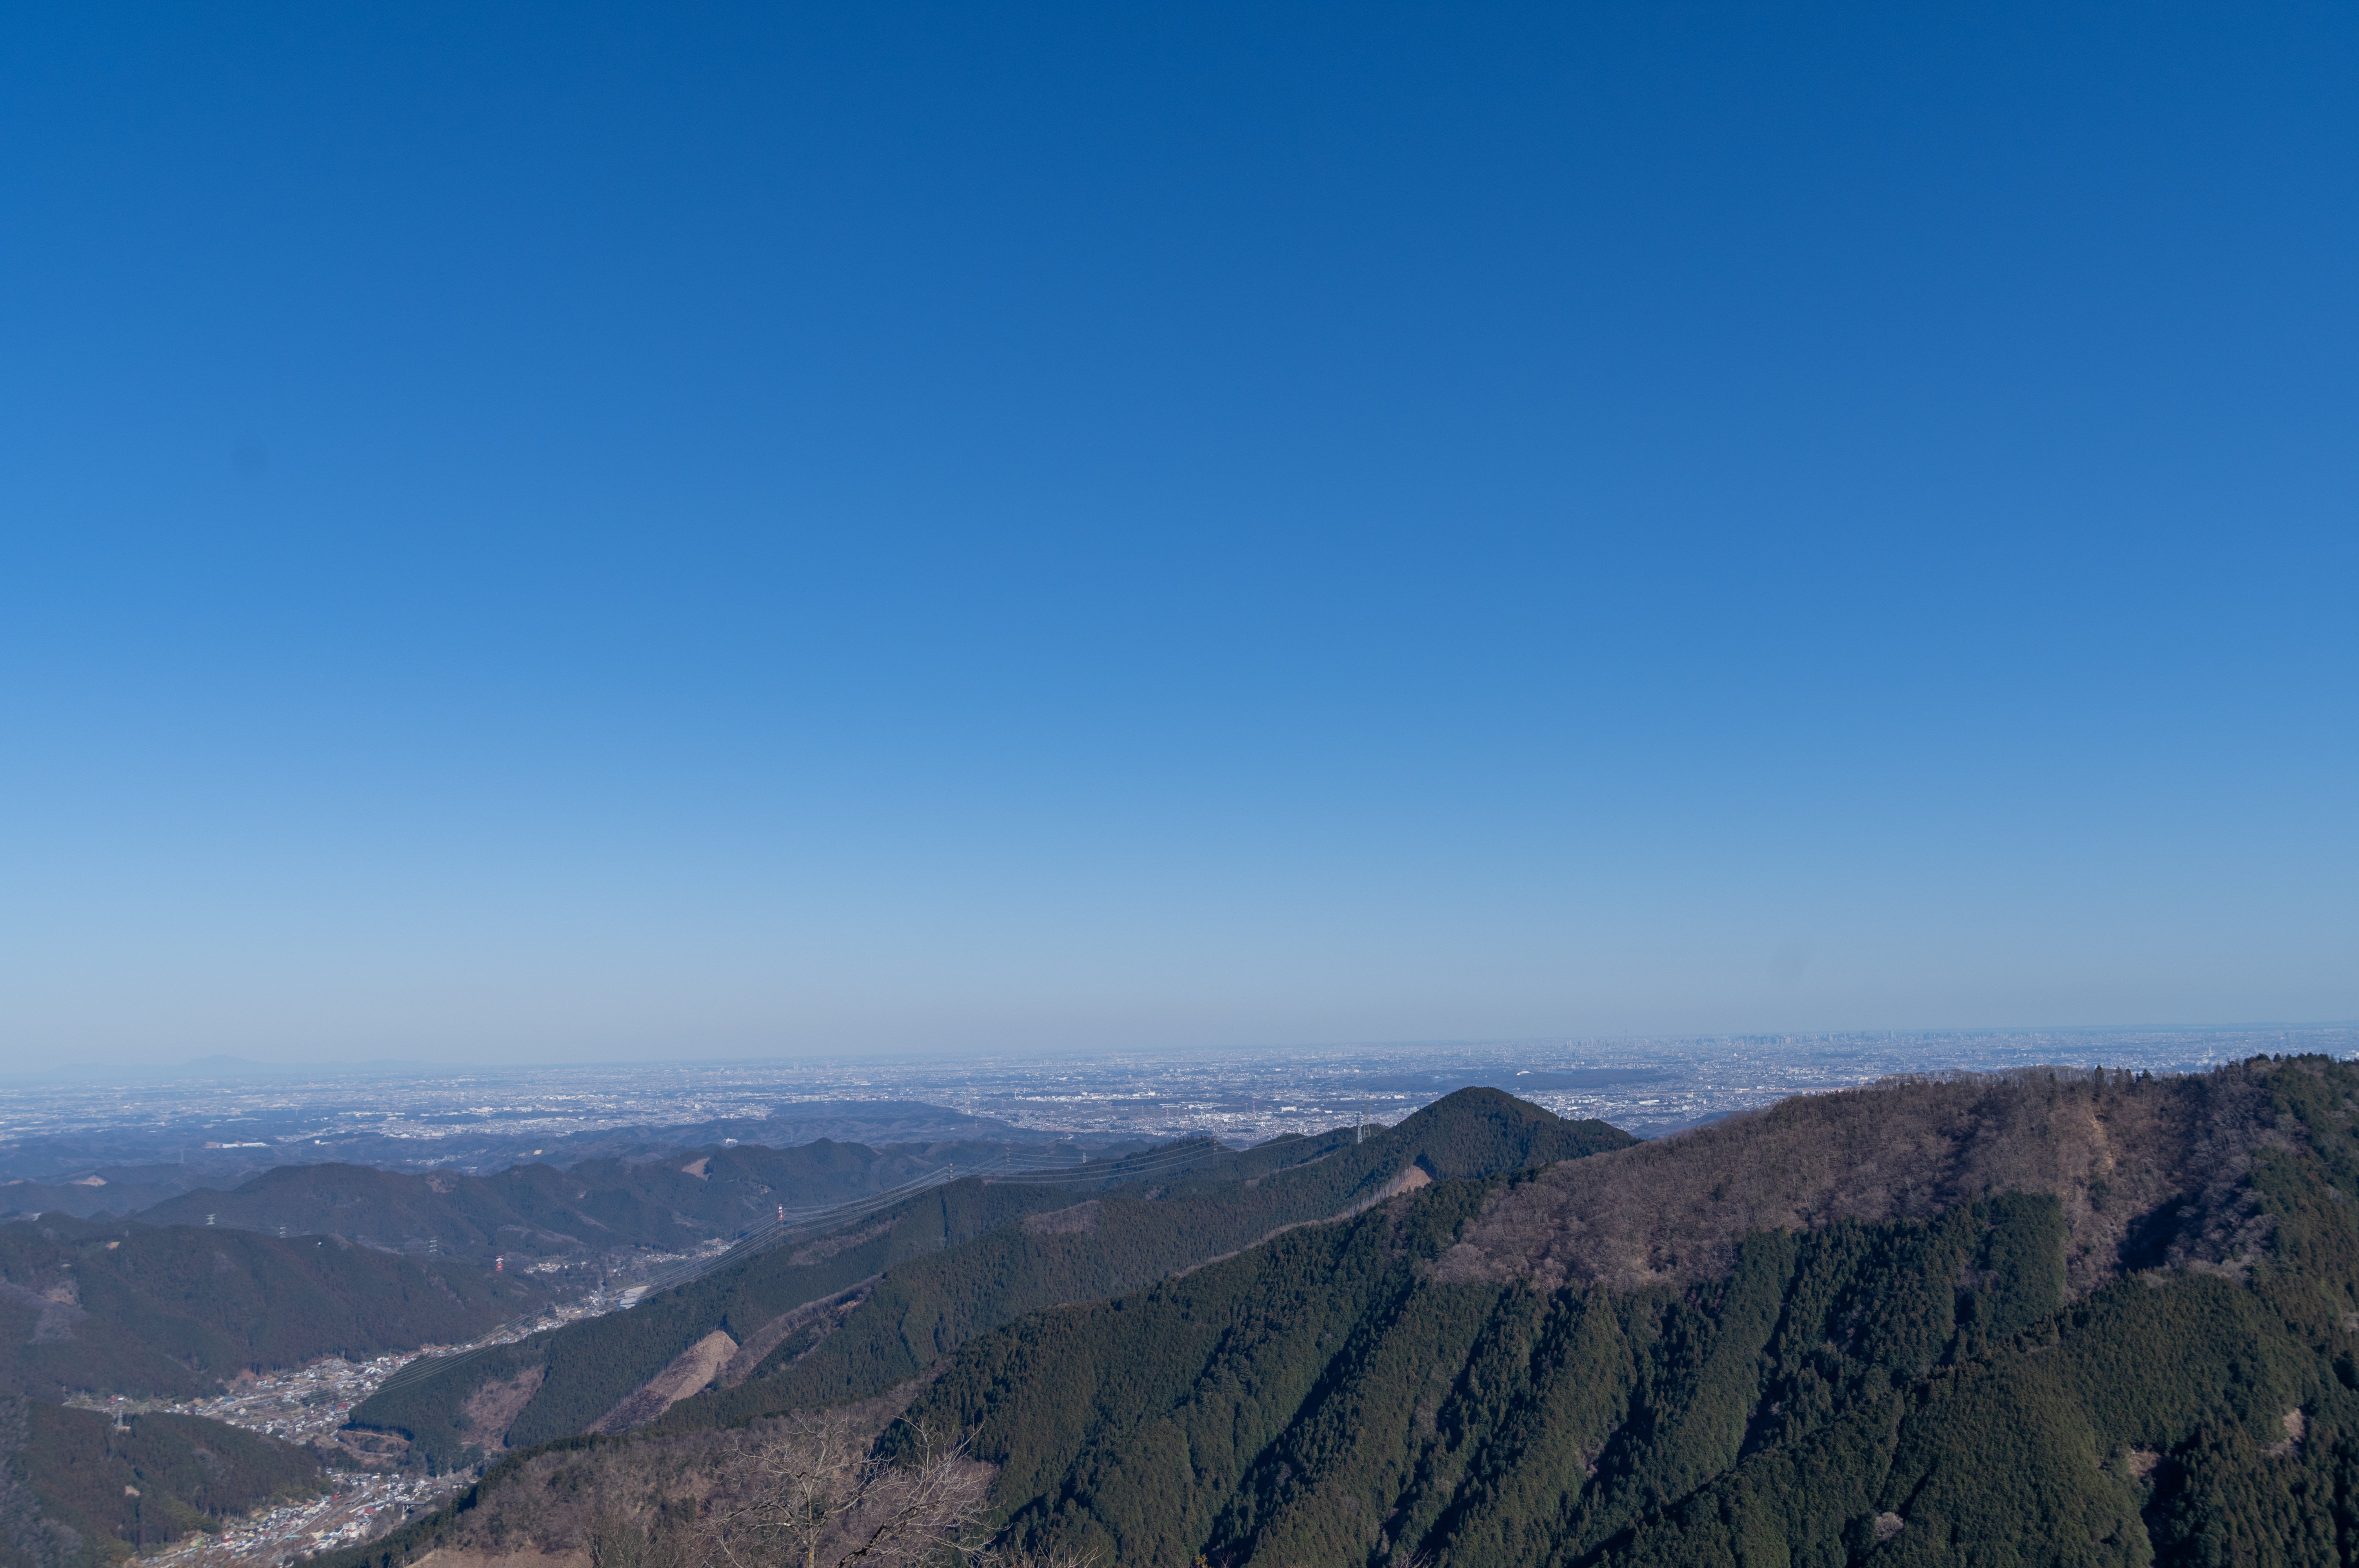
2076 1042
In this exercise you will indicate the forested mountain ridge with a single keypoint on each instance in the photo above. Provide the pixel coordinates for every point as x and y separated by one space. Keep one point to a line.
685 1197
2040 1320
173 1310
1135 1232
77 1491
845 1315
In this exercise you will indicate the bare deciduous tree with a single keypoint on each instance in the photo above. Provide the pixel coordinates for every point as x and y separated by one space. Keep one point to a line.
617 1540
814 1494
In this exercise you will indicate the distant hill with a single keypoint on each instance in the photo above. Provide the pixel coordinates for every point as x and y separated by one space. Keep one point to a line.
683 1198
223 1153
468 1215
875 1124
85 1198
850 1314
76 1491
112 1307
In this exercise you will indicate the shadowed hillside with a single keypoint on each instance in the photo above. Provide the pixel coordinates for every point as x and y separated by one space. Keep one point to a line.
112 1307
76 1491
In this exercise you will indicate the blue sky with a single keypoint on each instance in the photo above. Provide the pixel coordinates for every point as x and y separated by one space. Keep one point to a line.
536 532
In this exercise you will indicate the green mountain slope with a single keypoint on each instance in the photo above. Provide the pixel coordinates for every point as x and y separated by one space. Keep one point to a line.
76 1491
1134 1234
570 1378
2035 1321
112 1307
850 1314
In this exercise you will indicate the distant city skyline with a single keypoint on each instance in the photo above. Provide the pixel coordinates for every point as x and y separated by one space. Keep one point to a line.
632 537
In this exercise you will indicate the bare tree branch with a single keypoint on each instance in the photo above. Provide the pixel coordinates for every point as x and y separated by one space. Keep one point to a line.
813 1494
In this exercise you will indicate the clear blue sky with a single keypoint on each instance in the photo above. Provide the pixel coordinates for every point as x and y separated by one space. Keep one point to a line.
537 532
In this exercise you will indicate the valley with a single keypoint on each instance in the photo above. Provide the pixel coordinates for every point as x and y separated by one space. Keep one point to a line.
361 1505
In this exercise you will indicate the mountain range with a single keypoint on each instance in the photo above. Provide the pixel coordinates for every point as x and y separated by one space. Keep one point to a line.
850 1314
536 1210
2043 1317
181 1301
